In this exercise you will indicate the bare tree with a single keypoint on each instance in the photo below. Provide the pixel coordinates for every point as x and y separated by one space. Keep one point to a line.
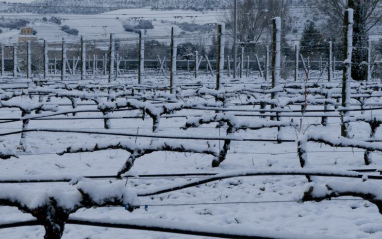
367 14
334 9
254 17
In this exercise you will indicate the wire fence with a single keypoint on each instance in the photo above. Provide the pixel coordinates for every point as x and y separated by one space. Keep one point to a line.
193 53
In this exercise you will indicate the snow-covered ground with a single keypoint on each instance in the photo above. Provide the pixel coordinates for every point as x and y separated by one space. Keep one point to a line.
267 204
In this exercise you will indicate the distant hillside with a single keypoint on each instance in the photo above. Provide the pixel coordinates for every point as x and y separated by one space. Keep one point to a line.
100 6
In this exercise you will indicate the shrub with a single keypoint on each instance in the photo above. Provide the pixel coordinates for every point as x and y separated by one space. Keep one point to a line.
130 28
144 24
72 31
14 24
55 20
65 28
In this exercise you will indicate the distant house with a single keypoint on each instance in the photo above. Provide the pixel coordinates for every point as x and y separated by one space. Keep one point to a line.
27 35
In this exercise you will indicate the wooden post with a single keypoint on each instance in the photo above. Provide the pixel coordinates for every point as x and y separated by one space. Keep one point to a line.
89 63
117 62
63 60
330 63
235 7
220 55
346 79
15 60
83 58
46 59
228 66
94 64
369 61
296 60
196 64
55 65
247 75
111 57
276 58
105 63
174 49
242 62
29 60
2 60
276 52
141 69
267 58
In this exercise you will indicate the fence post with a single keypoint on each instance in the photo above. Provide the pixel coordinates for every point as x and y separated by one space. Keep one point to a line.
15 60
83 58
220 55
228 66
55 65
111 56
266 72
346 79
117 62
141 69
296 60
63 60
196 64
2 60
45 59
174 49
276 52
242 62
29 60
276 58
247 74
104 63
330 63
94 64
369 61
334 67
235 40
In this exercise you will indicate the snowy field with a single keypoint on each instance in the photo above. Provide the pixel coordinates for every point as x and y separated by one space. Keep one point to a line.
99 26
271 206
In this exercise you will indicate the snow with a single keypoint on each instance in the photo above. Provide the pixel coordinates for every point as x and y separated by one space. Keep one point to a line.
100 194
183 227
35 198
257 190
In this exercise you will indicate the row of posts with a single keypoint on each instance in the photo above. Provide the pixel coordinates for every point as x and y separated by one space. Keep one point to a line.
275 58
111 58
